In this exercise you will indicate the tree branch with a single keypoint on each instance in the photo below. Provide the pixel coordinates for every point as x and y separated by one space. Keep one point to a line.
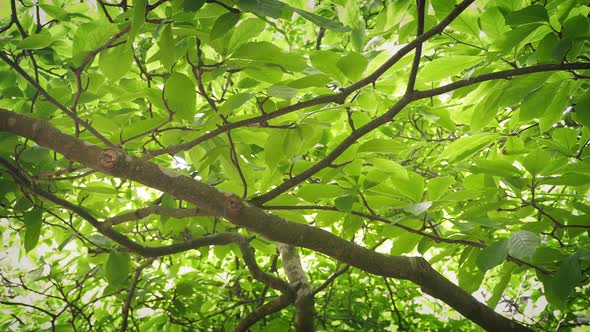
117 163
418 51
304 310
504 74
127 305
146 211
264 310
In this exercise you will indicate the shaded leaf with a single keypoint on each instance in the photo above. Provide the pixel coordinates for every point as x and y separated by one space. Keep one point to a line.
223 24
180 94
522 244
528 15
492 255
117 268
32 220
321 21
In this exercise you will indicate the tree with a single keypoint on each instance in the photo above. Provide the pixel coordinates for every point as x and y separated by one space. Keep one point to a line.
263 165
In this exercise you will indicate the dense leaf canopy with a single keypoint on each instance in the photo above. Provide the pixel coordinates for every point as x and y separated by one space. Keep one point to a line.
209 165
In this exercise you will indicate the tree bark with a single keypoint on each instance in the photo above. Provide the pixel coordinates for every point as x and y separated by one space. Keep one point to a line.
304 310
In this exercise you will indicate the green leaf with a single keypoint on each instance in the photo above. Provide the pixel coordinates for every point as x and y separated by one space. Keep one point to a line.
180 95
321 21
37 41
390 167
223 24
327 61
313 192
167 45
269 74
559 287
444 67
493 22
437 187
344 203
32 220
380 145
577 27
405 243
269 53
528 15
499 288
568 179
56 12
271 8
561 49
282 91
117 268
466 146
536 161
582 115
139 10
554 111
192 5
545 48
35 155
315 80
234 102
522 244
469 275
418 208
246 30
511 39
502 168
352 65
486 111
116 61
535 103
89 37
492 255
413 188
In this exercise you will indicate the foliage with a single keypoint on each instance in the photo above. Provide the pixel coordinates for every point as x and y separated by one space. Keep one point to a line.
466 145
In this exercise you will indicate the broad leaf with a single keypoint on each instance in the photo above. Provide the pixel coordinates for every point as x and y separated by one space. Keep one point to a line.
522 244
33 222
492 255
117 268
180 95
528 15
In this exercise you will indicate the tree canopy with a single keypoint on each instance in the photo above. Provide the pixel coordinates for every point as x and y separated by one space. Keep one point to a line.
210 165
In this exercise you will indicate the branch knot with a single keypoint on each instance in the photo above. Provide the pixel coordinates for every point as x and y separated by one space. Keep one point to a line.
108 158
233 206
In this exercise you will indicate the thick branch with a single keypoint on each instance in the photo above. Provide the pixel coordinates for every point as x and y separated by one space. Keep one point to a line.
304 310
241 213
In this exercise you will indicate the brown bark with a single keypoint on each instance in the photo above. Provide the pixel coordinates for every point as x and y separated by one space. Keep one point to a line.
241 213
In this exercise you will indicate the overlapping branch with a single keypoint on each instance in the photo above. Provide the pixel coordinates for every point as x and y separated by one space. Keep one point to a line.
241 213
